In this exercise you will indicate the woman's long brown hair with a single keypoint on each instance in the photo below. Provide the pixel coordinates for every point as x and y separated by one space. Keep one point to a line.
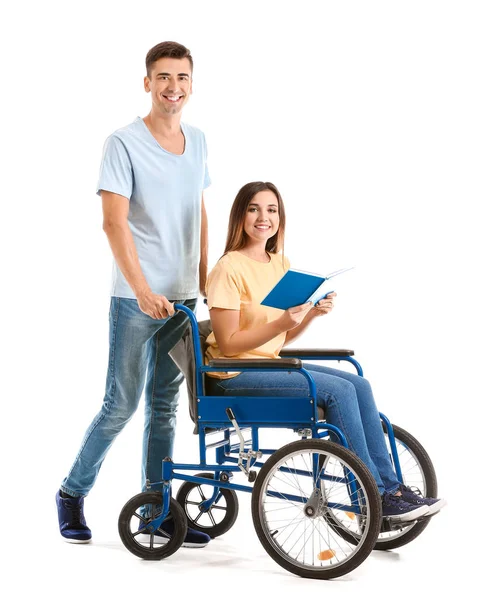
236 236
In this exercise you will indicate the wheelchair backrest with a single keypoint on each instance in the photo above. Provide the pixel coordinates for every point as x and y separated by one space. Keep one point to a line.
184 357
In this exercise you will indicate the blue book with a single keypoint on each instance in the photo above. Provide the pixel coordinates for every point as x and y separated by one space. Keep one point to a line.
299 287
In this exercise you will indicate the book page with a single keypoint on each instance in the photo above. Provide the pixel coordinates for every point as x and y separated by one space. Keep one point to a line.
327 287
338 272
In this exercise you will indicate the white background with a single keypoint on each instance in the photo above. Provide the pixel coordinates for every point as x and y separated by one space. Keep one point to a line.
376 122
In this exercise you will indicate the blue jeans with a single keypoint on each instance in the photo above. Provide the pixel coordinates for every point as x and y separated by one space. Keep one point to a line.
139 347
348 403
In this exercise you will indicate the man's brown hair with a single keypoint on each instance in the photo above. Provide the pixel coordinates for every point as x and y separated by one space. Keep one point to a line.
166 50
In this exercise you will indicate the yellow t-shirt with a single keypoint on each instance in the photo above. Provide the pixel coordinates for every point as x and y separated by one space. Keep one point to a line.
240 283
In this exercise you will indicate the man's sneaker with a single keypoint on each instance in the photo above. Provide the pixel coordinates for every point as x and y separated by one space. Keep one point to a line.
412 497
194 538
398 510
71 520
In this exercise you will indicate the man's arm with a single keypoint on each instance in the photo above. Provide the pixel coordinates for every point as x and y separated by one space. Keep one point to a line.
116 226
203 262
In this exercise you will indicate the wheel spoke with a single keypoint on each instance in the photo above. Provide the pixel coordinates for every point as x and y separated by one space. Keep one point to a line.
141 518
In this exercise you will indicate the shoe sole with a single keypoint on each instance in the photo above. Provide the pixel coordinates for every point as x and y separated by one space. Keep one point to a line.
69 541
145 539
434 508
412 515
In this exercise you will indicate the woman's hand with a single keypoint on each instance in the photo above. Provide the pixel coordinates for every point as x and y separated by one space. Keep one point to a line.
324 306
294 316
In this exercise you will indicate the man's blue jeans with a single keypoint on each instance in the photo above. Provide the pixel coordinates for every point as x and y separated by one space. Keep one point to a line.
139 347
348 403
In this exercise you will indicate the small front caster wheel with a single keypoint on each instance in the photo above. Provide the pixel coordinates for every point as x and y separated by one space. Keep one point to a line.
219 517
138 513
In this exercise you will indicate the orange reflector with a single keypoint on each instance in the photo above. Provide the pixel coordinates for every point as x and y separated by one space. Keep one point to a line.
326 555
351 515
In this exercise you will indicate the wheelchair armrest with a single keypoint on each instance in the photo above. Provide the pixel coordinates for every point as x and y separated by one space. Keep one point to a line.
265 363
316 352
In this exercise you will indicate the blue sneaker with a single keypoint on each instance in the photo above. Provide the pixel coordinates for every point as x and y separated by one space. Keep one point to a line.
397 510
413 497
194 538
71 520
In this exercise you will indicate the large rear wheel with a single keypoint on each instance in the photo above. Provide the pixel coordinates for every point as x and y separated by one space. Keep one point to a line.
292 495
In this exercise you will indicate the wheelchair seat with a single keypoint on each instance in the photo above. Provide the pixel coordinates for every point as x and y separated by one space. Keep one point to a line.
184 357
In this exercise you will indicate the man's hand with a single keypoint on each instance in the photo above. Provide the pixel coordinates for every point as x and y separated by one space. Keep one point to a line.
155 305
294 316
324 306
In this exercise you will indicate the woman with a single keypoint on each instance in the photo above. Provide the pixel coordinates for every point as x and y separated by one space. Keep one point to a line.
243 328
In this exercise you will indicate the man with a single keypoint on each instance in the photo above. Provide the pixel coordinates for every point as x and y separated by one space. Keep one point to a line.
152 176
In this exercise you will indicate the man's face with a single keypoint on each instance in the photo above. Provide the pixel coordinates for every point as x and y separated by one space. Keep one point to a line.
170 84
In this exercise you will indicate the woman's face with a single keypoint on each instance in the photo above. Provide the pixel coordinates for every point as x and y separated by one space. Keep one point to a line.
262 218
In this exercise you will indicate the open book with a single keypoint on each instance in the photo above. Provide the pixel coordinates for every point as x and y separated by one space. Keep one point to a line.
299 287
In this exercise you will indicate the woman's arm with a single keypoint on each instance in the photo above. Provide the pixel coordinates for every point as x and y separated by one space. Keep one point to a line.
232 341
297 331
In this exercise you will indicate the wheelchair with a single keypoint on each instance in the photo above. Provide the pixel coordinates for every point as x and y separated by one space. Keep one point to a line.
315 506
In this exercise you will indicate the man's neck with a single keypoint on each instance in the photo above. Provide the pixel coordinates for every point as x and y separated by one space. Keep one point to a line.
167 126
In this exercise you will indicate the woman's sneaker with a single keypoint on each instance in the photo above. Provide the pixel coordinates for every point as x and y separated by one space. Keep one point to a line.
194 538
397 510
71 520
433 504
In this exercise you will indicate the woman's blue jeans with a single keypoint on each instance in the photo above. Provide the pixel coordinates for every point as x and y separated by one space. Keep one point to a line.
348 403
139 347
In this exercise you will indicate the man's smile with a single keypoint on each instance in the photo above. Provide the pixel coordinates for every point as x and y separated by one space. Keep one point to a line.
173 99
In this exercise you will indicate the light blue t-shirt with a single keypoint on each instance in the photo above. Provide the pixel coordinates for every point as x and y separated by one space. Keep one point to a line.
164 192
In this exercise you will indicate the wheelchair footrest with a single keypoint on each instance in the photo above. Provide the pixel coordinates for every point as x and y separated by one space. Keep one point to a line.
389 525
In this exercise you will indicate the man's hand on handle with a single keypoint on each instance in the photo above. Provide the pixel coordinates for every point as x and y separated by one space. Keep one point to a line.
155 306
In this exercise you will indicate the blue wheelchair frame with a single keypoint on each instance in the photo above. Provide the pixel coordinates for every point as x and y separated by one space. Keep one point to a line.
254 412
